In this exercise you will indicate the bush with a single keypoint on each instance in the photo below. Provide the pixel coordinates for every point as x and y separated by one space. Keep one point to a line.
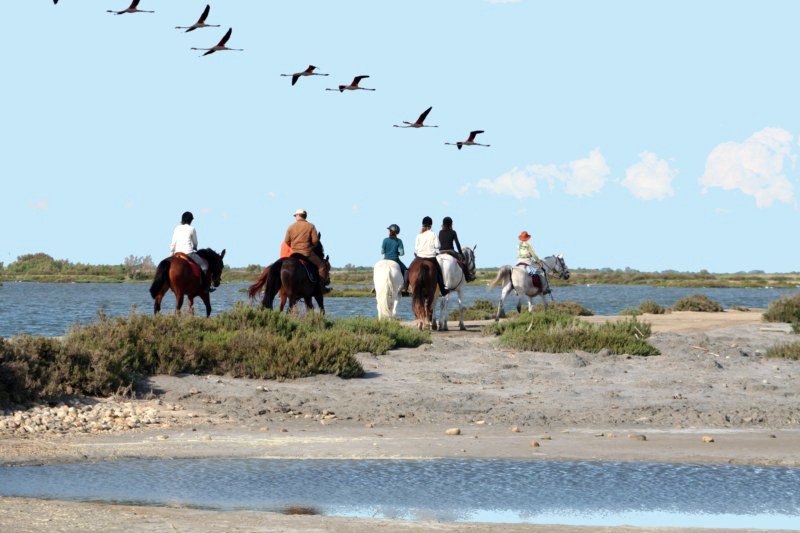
697 302
559 333
651 307
631 311
479 310
102 358
567 308
784 310
784 351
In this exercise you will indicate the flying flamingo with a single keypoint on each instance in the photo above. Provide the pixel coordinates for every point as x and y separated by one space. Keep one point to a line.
470 141
353 86
307 72
201 22
220 45
131 9
419 122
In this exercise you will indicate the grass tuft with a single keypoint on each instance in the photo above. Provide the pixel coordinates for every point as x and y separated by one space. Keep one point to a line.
697 302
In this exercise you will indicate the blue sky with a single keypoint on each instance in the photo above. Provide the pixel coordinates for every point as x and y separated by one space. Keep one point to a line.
651 135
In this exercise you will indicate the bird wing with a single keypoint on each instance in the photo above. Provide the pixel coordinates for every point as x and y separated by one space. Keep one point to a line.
424 115
134 4
358 79
473 133
225 37
204 16
295 77
310 69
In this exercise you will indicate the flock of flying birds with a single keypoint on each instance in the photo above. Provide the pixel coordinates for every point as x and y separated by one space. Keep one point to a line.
310 71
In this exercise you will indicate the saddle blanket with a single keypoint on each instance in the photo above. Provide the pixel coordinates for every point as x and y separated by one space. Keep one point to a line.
195 268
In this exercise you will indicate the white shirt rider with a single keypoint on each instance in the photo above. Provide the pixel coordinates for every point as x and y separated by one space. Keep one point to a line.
426 244
184 239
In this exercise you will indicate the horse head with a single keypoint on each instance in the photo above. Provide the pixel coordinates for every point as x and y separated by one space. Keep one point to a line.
469 260
215 264
559 266
319 250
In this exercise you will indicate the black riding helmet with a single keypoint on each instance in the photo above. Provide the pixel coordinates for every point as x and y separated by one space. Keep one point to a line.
187 217
394 228
427 221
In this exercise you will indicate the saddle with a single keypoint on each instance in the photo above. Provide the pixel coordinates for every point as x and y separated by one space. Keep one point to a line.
311 269
194 267
538 278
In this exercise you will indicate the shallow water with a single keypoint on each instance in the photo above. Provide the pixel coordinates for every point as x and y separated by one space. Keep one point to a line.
507 491
51 308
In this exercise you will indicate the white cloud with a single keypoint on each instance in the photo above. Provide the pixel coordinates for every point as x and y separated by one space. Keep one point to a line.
650 178
581 177
205 210
130 204
41 204
754 166
463 189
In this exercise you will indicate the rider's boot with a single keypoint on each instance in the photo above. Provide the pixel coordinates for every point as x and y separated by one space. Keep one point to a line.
404 288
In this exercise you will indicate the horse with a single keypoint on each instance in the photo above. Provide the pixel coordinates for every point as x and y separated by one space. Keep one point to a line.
292 275
424 289
518 280
184 279
256 287
388 280
455 279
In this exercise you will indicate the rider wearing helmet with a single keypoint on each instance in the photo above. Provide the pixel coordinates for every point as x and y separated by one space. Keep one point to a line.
425 247
447 238
184 240
392 249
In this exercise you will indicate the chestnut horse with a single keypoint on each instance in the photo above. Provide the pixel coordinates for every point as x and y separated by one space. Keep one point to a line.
422 281
176 274
291 276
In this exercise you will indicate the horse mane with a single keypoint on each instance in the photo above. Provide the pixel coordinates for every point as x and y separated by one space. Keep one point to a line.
207 253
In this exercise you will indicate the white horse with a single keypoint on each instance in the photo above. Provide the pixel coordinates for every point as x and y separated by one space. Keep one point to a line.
388 280
517 279
455 279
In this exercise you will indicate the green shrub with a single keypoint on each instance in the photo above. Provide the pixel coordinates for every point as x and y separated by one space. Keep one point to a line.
785 309
559 333
784 351
479 310
113 353
567 308
697 302
651 307
631 311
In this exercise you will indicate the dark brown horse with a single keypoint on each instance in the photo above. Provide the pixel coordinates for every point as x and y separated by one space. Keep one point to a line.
258 286
291 276
422 280
177 274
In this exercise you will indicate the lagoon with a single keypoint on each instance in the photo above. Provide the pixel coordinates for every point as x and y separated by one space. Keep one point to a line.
51 308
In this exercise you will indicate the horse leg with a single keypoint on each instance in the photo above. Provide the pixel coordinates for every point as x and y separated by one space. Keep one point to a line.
443 312
178 302
461 326
206 300
159 297
282 294
503 296
191 305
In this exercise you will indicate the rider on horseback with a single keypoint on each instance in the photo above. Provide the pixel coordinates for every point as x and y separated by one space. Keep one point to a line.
425 247
302 236
392 249
184 240
447 238
527 256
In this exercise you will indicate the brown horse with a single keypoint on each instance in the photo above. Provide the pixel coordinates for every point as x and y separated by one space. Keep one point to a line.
256 287
176 274
422 280
292 276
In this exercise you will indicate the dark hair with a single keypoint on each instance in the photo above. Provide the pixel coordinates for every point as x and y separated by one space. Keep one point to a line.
427 221
187 217
447 222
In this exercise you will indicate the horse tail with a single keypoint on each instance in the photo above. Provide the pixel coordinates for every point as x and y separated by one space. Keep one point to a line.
272 282
503 275
256 287
161 278
383 290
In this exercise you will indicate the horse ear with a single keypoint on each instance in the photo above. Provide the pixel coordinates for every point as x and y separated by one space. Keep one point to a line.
474 247
222 254
327 257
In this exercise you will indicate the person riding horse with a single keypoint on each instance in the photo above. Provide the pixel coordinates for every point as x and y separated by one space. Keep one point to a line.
527 256
392 249
425 247
302 237
447 238
184 240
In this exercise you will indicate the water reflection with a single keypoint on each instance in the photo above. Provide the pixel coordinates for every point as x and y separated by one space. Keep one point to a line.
540 492
51 308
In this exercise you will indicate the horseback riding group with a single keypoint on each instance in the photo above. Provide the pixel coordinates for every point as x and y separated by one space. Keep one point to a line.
440 266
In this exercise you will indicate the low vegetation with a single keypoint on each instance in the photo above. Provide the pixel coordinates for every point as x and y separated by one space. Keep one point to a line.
784 351
645 306
114 353
784 310
479 310
558 333
697 302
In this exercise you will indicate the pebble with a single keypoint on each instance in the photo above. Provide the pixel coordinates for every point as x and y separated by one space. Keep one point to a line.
637 436
515 429
453 431
534 444
707 439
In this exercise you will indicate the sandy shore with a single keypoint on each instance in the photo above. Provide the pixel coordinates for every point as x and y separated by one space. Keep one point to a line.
711 397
